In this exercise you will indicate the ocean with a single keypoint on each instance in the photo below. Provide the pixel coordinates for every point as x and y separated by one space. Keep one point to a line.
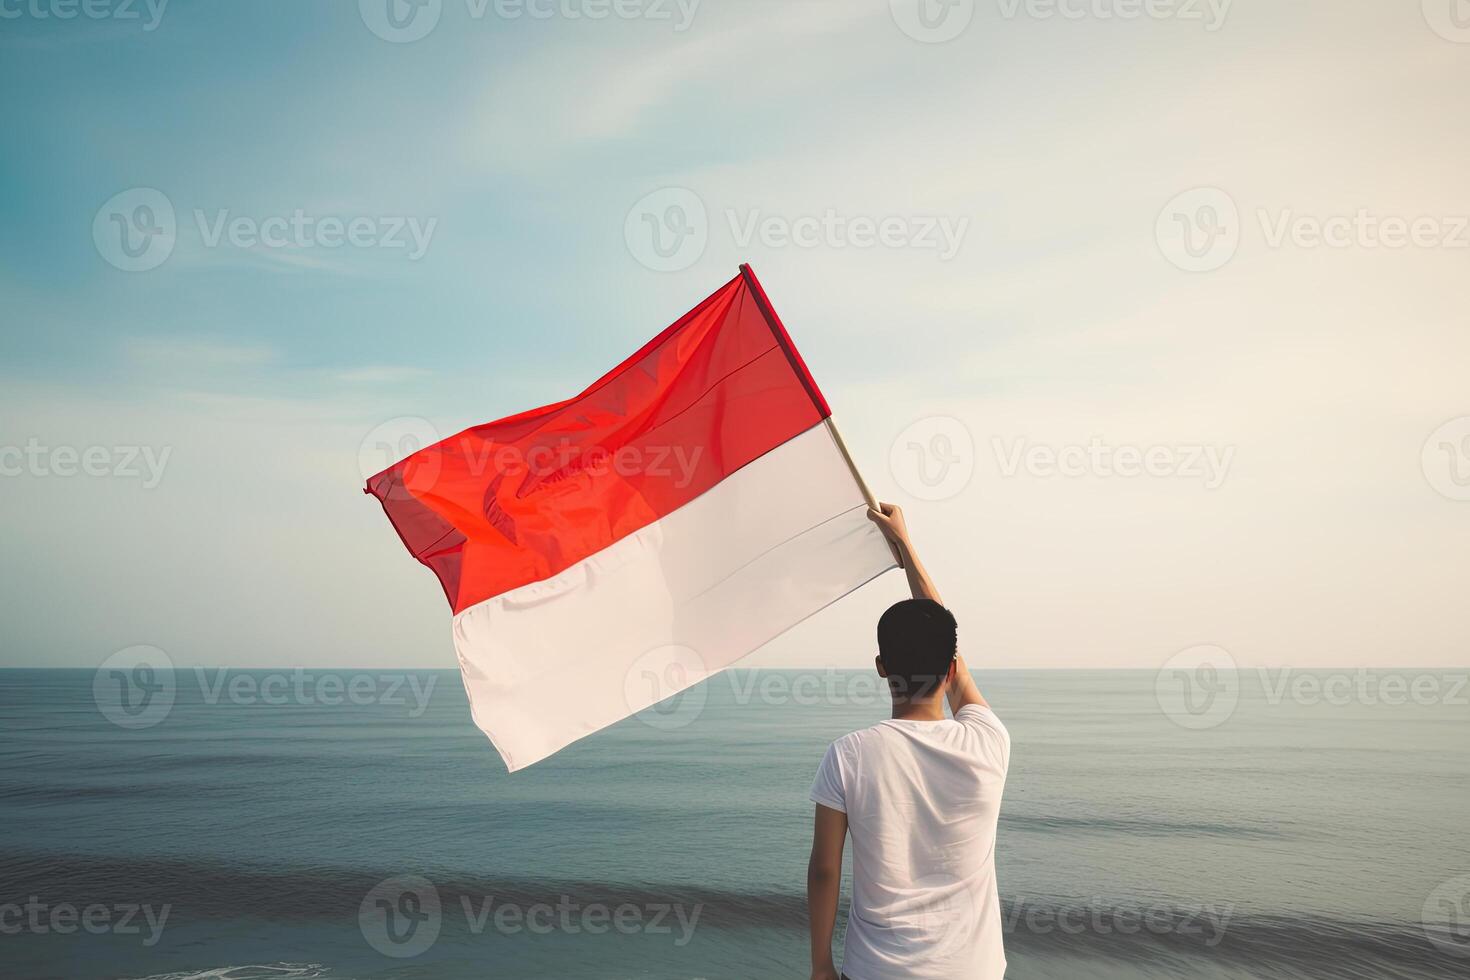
355 825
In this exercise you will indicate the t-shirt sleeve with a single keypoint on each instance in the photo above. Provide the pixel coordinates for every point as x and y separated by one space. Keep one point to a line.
995 740
827 788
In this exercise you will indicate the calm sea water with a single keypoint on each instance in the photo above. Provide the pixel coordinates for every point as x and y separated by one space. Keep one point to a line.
242 839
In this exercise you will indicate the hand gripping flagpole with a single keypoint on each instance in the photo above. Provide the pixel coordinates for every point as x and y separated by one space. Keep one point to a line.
778 329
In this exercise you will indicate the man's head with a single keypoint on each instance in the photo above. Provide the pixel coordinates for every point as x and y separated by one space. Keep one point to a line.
917 640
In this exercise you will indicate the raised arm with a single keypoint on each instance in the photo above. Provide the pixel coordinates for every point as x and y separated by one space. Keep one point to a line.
961 690
890 522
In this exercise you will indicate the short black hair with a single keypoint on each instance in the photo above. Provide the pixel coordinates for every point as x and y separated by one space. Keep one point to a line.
917 641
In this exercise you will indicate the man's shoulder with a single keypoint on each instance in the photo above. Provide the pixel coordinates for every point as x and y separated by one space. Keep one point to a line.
982 715
990 737
848 746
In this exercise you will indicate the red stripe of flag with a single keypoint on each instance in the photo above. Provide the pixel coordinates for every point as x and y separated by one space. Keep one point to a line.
516 501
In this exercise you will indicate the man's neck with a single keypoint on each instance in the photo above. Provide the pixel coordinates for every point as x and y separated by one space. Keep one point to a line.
927 709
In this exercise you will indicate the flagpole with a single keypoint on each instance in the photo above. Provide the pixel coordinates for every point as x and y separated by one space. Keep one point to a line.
778 329
852 466
858 477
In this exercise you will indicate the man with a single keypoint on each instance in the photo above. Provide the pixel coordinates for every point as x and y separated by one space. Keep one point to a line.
920 795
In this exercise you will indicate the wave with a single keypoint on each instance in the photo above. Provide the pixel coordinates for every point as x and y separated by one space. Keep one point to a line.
1136 827
1265 946
1165 936
276 971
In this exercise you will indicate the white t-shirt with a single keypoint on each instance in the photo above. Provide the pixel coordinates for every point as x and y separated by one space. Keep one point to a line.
922 799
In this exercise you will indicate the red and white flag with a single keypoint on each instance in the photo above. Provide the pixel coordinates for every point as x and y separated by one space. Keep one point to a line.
603 553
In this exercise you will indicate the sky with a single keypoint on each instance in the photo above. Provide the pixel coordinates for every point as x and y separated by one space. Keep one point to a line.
1151 316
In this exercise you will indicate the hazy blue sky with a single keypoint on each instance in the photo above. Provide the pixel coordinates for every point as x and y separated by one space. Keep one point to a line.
1059 232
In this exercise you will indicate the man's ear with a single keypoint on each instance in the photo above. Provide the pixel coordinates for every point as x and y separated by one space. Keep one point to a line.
878 662
954 665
